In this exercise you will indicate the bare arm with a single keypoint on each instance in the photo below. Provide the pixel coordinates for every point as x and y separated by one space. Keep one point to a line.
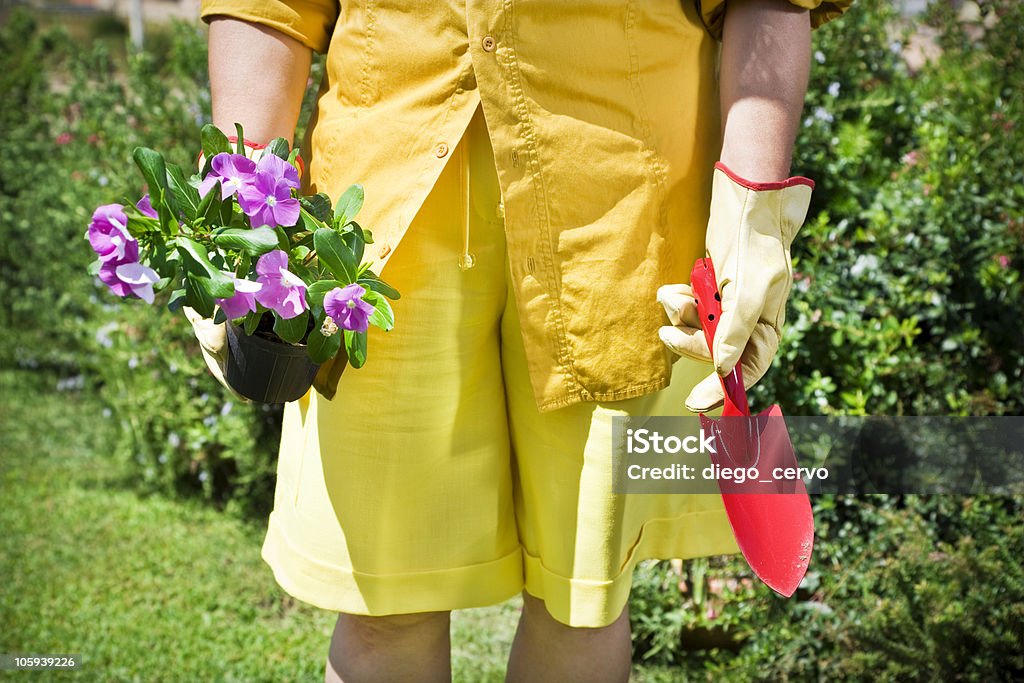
766 49
257 78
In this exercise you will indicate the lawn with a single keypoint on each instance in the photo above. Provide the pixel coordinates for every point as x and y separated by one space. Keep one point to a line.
147 587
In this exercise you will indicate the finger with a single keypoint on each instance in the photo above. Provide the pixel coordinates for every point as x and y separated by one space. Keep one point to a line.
326 379
757 358
707 395
679 304
686 341
742 305
759 353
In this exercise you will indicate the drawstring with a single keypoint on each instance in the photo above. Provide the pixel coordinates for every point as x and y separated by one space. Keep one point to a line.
466 260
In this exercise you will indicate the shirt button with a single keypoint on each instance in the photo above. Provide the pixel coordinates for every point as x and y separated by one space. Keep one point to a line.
488 43
441 150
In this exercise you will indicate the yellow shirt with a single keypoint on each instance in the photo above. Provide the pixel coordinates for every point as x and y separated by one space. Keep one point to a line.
605 124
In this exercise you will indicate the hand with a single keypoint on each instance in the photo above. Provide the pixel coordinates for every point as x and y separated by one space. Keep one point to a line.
214 344
749 234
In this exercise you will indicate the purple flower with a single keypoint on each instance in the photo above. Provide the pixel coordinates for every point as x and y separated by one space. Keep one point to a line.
268 200
108 234
282 291
244 300
347 308
279 168
128 276
146 207
232 171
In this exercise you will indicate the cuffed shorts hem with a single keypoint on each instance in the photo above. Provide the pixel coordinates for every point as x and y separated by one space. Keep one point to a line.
579 602
342 590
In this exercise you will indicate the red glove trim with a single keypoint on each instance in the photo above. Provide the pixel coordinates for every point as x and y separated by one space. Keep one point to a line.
246 142
758 187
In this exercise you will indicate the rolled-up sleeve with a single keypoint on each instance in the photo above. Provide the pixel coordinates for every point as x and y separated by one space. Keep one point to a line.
310 22
712 12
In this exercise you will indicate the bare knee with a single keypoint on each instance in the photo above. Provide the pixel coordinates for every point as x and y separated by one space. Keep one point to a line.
389 631
410 646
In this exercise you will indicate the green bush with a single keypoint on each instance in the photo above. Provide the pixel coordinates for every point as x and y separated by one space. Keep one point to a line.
907 300
178 430
908 285
912 588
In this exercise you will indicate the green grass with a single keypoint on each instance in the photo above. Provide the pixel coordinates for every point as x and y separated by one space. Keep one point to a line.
150 588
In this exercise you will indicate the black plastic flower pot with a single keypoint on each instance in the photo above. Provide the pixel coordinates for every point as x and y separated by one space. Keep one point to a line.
267 371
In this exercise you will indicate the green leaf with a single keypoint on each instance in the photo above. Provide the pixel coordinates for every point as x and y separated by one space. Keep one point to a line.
322 348
244 264
279 147
319 205
291 329
355 347
382 316
318 290
252 320
367 235
214 141
371 281
254 241
185 196
197 296
210 206
94 267
153 168
348 205
197 263
305 273
176 301
354 241
141 225
240 142
333 253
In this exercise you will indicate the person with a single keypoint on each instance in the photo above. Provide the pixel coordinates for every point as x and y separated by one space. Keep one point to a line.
537 178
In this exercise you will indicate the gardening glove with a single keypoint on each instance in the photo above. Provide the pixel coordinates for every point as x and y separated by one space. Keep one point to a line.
326 379
213 341
751 228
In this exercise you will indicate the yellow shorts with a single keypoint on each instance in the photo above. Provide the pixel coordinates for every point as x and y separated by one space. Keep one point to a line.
432 482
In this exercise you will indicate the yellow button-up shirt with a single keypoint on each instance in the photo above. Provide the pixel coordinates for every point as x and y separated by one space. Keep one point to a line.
604 120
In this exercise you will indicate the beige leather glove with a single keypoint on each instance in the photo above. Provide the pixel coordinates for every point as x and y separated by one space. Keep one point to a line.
213 341
751 228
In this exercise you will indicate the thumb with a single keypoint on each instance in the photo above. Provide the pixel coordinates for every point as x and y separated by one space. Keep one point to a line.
755 361
707 395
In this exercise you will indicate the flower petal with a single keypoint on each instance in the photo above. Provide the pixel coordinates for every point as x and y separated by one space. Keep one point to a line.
280 169
271 263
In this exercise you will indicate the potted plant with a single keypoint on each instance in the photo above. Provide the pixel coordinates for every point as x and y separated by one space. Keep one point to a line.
238 243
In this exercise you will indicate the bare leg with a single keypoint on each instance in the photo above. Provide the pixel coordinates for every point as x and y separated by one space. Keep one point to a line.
404 647
547 650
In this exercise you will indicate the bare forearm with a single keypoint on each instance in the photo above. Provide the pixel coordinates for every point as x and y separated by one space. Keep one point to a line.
257 78
766 50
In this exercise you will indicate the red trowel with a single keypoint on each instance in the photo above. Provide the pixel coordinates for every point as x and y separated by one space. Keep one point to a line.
770 513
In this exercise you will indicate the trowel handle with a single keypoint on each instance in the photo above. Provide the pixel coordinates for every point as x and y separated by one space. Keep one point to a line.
709 308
